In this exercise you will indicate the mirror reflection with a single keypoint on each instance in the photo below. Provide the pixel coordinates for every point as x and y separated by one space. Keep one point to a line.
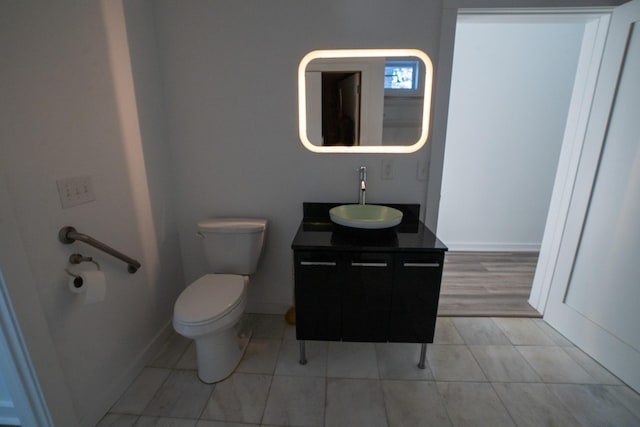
365 100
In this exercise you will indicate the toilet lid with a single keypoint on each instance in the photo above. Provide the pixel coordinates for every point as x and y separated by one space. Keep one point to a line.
209 297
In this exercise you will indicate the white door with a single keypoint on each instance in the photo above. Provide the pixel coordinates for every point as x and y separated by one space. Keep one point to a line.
595 287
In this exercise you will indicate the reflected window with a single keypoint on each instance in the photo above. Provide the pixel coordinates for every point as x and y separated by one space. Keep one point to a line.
401 75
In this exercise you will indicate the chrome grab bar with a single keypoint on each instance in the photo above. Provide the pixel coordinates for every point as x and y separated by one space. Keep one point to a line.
68 235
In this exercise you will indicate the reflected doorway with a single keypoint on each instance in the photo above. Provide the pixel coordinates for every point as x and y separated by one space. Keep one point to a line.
341 108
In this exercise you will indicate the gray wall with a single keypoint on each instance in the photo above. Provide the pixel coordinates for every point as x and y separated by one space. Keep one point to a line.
69 108
229 71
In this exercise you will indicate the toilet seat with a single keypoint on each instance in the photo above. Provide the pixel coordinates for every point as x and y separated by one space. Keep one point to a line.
208 299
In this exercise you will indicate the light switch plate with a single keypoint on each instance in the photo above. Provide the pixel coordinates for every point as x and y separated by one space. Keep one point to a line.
75 191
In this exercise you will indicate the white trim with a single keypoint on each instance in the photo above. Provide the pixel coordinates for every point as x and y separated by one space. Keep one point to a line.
16 365
614 354
572 147
537 15
17 370
32 353
434 153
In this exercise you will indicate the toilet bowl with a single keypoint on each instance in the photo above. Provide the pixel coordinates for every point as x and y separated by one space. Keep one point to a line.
209 308
206 311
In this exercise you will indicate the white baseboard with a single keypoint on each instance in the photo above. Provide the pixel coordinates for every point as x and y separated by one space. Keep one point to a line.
493 247
114 390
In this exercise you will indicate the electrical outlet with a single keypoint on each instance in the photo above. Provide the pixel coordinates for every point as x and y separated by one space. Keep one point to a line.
75 191
387 169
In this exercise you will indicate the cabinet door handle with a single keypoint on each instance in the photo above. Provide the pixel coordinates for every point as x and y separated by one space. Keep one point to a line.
325 263
368 264
422 264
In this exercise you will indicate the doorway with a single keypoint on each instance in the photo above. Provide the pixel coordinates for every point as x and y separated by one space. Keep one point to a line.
512 88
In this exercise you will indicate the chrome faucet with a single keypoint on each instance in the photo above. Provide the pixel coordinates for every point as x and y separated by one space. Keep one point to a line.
363 185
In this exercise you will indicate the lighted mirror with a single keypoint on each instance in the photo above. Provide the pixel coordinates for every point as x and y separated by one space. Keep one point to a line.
364 100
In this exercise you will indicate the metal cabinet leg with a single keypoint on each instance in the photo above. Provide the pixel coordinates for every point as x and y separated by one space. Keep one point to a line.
303 354
423 356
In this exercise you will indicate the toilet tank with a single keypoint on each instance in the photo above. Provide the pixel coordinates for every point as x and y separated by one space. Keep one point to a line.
232 245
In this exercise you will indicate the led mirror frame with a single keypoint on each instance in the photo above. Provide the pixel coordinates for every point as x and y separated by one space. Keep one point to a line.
364 53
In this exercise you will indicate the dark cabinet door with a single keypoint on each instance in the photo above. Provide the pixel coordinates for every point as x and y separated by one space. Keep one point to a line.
415 297
318 289
366 298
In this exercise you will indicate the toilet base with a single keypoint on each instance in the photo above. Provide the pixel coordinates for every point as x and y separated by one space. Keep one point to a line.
220 342
218 355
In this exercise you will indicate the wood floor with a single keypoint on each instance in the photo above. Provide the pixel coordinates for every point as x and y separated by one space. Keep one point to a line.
494 284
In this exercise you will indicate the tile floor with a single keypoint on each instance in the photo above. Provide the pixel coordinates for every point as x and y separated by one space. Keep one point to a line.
481 372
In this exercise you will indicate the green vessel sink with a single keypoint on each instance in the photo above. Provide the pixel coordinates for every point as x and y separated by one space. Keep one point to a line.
371 217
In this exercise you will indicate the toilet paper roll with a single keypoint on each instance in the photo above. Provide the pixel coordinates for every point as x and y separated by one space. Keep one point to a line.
90 283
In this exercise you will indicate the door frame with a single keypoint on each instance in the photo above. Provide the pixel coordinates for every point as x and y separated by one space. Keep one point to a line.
612 352
16 368
589 62
596 21
434 155
30 362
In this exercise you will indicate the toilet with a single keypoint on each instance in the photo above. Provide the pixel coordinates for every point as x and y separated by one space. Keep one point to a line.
209 308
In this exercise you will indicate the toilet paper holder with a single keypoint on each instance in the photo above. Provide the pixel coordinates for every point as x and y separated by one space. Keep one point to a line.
77 259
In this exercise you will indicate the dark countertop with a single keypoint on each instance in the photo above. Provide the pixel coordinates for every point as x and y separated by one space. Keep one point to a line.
317 232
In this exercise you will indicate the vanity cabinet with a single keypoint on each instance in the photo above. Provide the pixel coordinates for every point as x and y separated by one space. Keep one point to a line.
416 293
366 289
369 297
366 296
318 289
